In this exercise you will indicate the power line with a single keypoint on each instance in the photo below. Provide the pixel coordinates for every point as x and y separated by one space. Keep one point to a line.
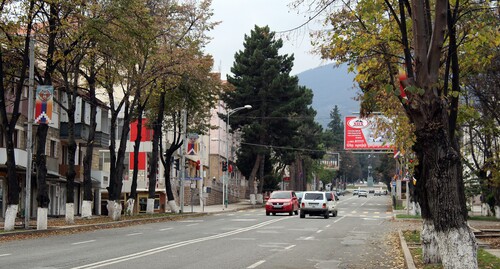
279 147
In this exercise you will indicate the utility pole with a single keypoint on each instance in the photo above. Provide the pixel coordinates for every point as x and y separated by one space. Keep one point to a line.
29 142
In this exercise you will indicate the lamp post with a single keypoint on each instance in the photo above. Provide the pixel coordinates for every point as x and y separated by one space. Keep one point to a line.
226 173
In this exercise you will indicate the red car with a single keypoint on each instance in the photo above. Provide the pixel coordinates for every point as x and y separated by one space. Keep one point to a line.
282 202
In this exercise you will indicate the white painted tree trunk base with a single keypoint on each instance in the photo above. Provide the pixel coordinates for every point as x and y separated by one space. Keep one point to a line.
430 247
130 207
486 210
86 209
10 217
114 210
150 208
41 218
70 213
458 248
260 199
252 199
415 209
173 206
497 212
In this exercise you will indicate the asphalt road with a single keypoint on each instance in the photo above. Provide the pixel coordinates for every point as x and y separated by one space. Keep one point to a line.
244 239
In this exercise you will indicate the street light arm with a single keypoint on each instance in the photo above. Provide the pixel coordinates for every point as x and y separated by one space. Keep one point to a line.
232 111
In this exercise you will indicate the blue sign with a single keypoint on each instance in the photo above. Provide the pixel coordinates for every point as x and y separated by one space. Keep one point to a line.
193 178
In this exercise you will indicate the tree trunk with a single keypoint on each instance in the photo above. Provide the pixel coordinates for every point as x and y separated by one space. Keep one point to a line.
41 174
133 187
443 199
71 173
168 185
157 124
13 188
253 174
87 160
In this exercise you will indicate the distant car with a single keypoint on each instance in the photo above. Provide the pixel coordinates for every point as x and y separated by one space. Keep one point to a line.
355 192
377 193
282 202
299 196
363 193
318 203
371 191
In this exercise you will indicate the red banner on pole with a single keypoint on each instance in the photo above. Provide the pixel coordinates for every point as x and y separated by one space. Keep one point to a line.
43 105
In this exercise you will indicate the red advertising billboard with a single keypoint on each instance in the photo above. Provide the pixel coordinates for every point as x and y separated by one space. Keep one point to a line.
361 134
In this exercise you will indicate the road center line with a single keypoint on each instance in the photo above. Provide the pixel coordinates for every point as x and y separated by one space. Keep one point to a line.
289 247
6 254
176 245
256 264
165 229
83 242
319 231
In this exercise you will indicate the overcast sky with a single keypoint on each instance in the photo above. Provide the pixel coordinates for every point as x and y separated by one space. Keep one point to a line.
238 17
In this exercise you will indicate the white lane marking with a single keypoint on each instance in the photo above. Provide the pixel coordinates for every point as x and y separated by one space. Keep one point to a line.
319 231
244 239
194 224
339 219
165 229
328 226
290 247
6 254
256 264
133 234
190 221
243 219
306 238
175 245
83 242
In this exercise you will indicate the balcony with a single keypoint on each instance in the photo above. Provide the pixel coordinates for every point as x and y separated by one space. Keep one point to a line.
20 155
82 133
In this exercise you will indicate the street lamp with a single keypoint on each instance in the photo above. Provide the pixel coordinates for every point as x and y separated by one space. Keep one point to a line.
226 173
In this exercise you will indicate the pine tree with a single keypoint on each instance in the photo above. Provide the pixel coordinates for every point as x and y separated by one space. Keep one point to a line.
261 77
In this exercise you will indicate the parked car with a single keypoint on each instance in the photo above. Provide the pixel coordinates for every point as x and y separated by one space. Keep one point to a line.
363 193
334 197
318 203
282 202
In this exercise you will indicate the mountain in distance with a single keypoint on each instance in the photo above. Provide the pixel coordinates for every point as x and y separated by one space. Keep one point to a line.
331 86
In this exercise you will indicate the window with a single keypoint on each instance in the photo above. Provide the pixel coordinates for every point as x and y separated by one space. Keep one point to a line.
53 148
314 196
15 138
65 159
105 180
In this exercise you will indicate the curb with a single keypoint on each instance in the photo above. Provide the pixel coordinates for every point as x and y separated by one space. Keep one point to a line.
406 251
116 224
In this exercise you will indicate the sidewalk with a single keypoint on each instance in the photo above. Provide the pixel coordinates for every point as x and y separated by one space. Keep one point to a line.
55 225
474 225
